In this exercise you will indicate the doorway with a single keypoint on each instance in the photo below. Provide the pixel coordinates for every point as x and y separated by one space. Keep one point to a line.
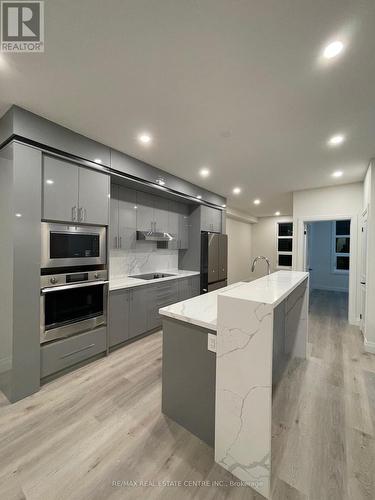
327 249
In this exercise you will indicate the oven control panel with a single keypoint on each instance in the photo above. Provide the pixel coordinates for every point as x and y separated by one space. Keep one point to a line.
71 278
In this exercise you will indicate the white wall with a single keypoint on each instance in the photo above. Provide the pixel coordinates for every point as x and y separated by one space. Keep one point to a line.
322 276
264 243
239 250
330 203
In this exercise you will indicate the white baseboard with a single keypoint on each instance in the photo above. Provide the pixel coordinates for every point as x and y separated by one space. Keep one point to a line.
5 364
329 288
369 346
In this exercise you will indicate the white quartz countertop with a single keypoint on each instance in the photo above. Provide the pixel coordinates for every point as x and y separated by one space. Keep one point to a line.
202 310
128 282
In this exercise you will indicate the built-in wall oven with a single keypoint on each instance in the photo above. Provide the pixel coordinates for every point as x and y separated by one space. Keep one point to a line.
72 303
64 245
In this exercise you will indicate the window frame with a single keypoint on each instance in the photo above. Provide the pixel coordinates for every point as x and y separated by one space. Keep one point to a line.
277 266
335 254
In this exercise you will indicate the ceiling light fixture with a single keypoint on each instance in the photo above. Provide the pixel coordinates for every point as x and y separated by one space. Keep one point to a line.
97 160
18 215
336 140
277 213
199 197
236 190
256 202
50 181
224 206
161 182
204 172
145 138
333 49
338 173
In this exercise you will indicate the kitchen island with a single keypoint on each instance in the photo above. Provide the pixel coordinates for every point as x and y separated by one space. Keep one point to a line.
226 398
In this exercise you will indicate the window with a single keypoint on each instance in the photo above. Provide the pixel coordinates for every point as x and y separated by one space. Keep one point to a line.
341 246
284 244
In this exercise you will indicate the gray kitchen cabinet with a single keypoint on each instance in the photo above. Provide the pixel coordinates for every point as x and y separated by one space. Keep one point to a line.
188 287
145 211
160 295
60 190
114 218
210 219
93 197
160 214
74 194
62 354
118 317
183 226
138 306
123 224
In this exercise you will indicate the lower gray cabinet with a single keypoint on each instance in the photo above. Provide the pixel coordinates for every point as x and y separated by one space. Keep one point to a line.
64 353
188 287
138 306
160 295
118 317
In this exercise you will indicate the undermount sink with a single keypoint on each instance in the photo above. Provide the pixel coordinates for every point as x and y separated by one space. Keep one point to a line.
152 276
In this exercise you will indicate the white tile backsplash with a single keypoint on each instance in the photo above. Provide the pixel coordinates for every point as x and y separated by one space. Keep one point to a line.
143 259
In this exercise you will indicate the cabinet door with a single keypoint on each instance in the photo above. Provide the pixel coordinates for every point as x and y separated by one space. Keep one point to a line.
184 289
114 218
60 190
145 211
215 219
127 218
160 214
183 226
205 222
118 317
93 196
173 225
195 285
138 311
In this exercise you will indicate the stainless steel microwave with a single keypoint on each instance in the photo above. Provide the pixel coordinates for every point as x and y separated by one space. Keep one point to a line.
64 245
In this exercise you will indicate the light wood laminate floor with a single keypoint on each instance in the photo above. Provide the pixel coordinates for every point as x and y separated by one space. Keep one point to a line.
102 423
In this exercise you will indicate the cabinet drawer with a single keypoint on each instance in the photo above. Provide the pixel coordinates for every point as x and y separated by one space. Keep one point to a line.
68 352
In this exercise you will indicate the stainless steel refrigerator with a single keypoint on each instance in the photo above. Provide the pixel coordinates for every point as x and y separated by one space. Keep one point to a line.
214 261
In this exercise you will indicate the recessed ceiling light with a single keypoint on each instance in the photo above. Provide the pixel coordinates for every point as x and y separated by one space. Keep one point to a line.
145 138
277 213
97 160
336 140
161 182
224 206
50 181
338 173
236 190
199 197
333 49
256 202
18 215
204 172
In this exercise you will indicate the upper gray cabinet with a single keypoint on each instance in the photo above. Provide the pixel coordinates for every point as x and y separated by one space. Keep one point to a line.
74 194
178 225
123 225
210 219
152 213
60 190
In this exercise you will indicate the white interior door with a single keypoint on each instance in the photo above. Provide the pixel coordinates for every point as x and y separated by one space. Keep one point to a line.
363 271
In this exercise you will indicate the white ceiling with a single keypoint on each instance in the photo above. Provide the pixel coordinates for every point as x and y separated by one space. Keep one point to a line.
235 85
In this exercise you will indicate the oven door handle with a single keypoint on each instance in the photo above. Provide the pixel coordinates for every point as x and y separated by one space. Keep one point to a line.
43 291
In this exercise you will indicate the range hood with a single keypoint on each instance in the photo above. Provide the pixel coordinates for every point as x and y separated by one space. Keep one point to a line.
154 236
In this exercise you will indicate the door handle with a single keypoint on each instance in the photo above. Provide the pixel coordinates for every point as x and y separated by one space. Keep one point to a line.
363 282
116 242
120 244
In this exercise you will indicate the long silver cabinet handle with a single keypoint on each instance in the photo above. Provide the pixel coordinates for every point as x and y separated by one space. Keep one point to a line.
116 246
68 287
77 351
74 214
120 245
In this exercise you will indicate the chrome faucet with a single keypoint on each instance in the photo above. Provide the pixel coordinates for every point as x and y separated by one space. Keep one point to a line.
261 257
